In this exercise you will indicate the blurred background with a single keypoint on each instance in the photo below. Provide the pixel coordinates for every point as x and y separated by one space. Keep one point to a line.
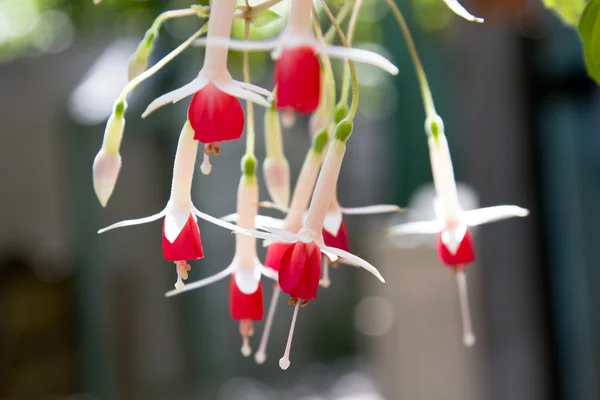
83 316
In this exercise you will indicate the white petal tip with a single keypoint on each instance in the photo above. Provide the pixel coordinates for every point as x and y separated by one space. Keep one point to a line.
260 358
523 212
105 172
246 350
284 363
469 339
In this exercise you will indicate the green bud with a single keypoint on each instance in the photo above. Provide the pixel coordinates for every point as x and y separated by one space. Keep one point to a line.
434 126
343 130
120 108
249 165
320 141
340 113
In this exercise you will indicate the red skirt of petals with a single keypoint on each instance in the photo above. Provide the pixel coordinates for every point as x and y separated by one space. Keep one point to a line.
300 271
298 79
245 306
465 254
274 253
187 246
215 116
340 241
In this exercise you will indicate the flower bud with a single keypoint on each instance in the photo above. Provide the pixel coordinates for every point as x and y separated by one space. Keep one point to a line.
138 63
277 179
105 171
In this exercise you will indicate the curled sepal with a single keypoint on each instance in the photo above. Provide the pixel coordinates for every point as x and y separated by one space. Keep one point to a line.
105 173
459 10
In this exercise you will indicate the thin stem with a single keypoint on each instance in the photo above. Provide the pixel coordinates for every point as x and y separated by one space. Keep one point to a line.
130 87
284 362
461 280
425 90
172 14
261 354
250 133
354 105
329 77
346 78
251 12
329 36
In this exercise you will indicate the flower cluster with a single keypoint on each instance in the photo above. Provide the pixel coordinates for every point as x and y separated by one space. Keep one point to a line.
312 234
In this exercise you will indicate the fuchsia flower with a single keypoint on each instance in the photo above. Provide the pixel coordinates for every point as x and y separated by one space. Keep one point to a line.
297 70
300 271
181 235
455 244
215 112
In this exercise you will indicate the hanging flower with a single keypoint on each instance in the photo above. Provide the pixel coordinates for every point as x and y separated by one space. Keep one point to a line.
181 240
215 112
297 68
455 244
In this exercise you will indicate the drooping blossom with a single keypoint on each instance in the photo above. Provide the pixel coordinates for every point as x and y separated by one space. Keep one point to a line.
215 113
297 69
451 225
181 240
245 289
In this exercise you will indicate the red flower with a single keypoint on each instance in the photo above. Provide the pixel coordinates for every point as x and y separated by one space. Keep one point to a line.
300 270
298 79
245 306
187 246
339 241
274 253
215 116
465 253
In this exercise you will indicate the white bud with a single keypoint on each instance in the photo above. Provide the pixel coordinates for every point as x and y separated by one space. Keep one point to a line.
317 122
105 171
277 179
136 67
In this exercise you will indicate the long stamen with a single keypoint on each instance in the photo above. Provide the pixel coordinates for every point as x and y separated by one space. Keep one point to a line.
284 362
325 281
261 355
206 166
246 331
182 268
468 336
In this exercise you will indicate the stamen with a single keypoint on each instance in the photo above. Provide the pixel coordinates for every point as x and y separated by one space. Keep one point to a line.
206 167
261 355
325 281
246 331
182 268
288 118
468 336
216 148
284 362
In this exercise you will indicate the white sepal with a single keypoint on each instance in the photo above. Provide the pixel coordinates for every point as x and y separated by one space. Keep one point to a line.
173 97
333 221
233 88
131 222
415 228
491 214
359 55
376 209
203 282
459 10
354 259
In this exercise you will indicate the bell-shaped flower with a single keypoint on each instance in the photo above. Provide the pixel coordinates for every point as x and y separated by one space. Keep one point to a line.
455 244
245 290
297 70
181 240
215 113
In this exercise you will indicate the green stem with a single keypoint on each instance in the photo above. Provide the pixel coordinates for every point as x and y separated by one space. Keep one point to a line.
354 104
130 87
346 78
330 35
250 134
171 14
425 90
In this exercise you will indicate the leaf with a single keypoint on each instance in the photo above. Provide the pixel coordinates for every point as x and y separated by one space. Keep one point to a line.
568 10
589 30
265 18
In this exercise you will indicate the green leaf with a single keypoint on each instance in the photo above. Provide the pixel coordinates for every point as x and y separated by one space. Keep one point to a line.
265 18
568 10
589 30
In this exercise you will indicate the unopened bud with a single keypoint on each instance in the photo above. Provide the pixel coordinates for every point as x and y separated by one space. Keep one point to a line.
434 126
318 121
340 113
105 172
277 179
138 63
343 130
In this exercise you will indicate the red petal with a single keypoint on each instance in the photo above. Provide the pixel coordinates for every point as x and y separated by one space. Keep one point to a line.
298 79
245 306
187 246
465 253
340 241
300 270
309 284
215 116
274 253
